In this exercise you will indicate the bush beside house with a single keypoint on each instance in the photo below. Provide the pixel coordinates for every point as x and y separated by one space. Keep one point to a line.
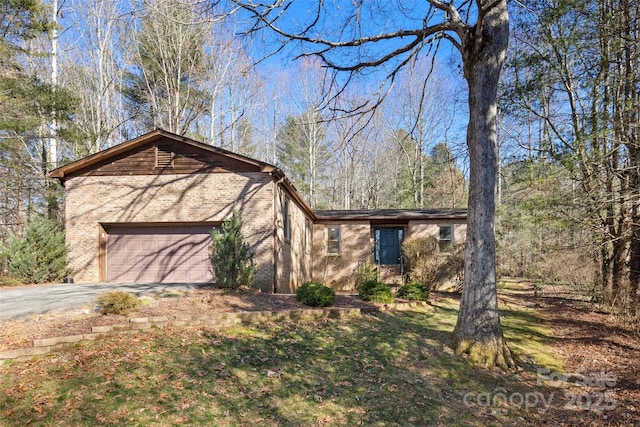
429 266
414 292
365 272
40 256
375 291
315 294
231 257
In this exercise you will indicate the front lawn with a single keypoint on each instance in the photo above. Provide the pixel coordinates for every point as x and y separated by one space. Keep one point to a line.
382 370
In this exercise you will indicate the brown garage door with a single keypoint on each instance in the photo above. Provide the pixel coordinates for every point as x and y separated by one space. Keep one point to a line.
163 254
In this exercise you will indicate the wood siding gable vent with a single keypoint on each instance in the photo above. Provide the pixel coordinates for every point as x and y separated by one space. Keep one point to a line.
164 156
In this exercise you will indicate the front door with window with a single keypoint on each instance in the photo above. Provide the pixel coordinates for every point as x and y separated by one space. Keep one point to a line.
387 245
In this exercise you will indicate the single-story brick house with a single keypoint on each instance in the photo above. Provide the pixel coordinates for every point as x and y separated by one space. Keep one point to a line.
142 211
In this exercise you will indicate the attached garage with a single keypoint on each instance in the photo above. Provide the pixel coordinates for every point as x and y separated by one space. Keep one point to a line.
157 253
142 211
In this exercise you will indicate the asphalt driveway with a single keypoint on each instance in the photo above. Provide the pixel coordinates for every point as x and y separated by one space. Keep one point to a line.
32 300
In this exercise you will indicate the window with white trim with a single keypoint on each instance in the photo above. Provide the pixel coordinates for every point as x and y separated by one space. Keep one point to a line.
445 238
333 240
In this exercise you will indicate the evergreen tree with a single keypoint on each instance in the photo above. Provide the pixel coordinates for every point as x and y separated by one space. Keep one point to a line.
26 101
40 255
303 152
231 257
27 104
166 86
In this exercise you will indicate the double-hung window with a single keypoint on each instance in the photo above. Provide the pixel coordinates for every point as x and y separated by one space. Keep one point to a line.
333 240
445 238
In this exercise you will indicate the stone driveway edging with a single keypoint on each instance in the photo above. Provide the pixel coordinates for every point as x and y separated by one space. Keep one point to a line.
52 345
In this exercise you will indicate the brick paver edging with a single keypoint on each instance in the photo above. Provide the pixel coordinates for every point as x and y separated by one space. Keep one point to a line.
52 345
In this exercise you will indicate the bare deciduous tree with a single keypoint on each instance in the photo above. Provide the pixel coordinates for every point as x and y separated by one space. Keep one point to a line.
93 71
166 88
418 108
359 41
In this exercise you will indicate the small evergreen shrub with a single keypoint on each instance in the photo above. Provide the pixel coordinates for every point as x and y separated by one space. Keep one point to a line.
414 291
364 290
40 255
375 291
365 272
117 302
315 295
231 257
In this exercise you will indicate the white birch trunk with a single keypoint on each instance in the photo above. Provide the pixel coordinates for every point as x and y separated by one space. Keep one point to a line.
52 137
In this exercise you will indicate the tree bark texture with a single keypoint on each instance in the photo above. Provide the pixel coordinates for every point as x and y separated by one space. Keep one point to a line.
478 332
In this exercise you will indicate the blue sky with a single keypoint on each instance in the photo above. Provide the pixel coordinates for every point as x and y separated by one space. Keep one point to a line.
380 18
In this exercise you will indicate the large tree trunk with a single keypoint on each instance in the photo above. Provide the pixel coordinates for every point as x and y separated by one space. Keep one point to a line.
478 332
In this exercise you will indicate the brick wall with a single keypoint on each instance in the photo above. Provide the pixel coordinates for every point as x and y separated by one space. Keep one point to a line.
194 198
168 198
293 254
430 228
356 246
337 271
301 242
427 228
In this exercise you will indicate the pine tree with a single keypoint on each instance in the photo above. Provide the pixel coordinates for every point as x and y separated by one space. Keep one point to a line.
231 257
40 255
303 152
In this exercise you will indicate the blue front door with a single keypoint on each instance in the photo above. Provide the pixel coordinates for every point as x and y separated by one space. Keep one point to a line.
387 245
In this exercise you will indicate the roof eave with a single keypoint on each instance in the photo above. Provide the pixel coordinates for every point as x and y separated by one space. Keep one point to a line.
406 215
279 176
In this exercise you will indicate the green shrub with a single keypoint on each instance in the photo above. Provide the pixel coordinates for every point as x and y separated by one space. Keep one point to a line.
365 272
40 255
231 257
315 295
414 291
375 291
365 289
117 302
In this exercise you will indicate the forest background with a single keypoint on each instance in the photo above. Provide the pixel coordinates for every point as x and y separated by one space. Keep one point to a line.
77 77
